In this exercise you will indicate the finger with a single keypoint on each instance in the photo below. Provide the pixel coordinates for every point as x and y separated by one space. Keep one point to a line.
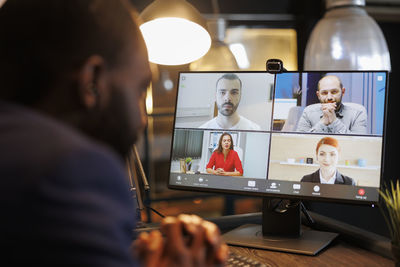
218 250
214 241
149 248
222 253
155 249
212 232
142 236
179 234
189 222
329 105
172 228
325 108
140 244
325 113
193 223
198 245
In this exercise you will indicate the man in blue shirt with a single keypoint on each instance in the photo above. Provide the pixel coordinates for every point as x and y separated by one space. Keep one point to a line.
73 77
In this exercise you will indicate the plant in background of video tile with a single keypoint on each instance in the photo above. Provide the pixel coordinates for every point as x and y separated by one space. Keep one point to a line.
188 162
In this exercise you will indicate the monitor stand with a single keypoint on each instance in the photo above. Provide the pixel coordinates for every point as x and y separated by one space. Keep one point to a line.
280 230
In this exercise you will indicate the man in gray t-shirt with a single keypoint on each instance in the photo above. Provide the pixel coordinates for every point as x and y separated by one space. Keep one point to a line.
331 115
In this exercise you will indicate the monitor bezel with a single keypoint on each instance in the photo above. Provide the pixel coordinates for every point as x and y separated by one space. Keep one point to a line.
277 195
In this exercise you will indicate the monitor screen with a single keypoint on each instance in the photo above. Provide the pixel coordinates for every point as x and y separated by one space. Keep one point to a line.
306 135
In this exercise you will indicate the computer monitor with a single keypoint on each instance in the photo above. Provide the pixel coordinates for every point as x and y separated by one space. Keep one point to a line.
292 135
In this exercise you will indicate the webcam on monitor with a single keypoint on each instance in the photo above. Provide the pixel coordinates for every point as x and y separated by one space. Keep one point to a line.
274 65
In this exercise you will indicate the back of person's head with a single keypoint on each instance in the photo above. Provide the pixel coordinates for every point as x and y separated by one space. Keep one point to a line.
42 42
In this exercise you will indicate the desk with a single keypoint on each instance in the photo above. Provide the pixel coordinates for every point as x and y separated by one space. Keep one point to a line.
354 246
338 253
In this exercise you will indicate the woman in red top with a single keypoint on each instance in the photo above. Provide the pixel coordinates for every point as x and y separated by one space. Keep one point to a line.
224 160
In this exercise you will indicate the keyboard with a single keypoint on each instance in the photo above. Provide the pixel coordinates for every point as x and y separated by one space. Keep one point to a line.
236 260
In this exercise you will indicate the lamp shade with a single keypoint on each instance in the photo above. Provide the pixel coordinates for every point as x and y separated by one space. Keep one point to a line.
175 32
346 38
219 57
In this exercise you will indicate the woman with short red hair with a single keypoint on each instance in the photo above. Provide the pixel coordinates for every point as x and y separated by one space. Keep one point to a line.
327 151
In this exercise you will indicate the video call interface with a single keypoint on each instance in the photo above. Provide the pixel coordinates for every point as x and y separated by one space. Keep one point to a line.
306 134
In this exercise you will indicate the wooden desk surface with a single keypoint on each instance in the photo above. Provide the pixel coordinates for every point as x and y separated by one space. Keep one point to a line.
338 253
353 247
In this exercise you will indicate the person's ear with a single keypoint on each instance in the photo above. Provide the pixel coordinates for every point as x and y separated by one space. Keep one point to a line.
343 91
92 81
317 92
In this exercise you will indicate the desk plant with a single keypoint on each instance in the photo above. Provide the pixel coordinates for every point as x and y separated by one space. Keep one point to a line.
391 200
188 162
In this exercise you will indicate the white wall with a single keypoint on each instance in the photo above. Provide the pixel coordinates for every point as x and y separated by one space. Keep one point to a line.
256 154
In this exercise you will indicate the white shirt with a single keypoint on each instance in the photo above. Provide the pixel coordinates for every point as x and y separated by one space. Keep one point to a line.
243 124
330 181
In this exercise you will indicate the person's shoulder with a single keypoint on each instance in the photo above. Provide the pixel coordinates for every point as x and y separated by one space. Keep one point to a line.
348 180
354 106
63 174
247 124
46 142
233 152
345 179
312 177
210 124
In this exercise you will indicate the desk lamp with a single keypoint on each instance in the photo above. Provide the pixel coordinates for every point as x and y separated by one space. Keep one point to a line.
219 57
175 32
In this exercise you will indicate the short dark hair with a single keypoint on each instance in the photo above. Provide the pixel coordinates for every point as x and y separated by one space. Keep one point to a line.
42 41
229 76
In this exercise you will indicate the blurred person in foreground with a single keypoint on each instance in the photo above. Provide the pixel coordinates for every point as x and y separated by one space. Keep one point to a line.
73 76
